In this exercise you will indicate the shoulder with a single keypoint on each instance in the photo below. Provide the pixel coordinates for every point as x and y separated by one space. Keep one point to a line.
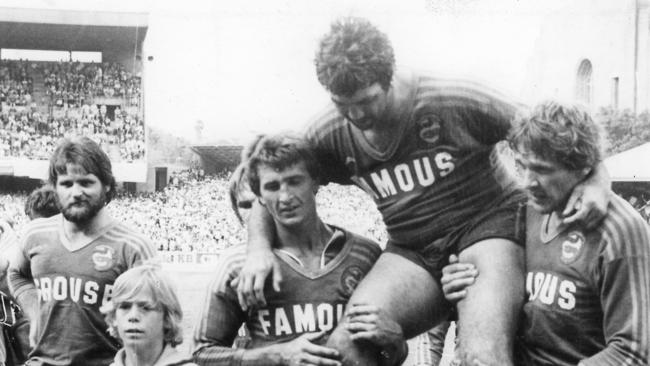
362 245
132 239
228 266
325 124
461 94
624 232
40 226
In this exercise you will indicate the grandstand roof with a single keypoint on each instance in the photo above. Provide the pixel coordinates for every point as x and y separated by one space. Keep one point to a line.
630 165
219 156
50 29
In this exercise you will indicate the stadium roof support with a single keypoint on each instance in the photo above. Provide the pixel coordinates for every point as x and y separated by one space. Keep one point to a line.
49 29
631 165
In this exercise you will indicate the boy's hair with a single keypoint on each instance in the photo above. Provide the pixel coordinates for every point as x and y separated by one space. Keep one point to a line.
42 202
353 56
565 134
148 277
280 152
87 154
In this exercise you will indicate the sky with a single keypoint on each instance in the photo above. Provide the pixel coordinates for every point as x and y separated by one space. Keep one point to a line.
243 67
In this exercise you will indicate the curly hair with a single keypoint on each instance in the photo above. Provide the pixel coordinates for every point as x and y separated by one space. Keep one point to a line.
353 56
280 152
565 134
147 277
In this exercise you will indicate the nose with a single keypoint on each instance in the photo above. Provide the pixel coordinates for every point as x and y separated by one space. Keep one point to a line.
76 190
285 194
355 113
529 179
134 314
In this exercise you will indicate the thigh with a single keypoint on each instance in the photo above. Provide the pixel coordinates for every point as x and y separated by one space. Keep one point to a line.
406 291
488 315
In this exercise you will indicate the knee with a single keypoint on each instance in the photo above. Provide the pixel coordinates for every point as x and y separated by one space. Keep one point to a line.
352 353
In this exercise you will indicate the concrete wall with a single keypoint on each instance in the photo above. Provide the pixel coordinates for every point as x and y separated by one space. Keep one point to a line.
602 31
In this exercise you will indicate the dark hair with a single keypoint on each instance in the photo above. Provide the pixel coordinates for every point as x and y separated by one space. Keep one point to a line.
42 202
87 154
564 134
353 56
280 152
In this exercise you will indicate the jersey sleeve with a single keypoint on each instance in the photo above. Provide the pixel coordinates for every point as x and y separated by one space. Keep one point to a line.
326 143
624 282
490 116
20 273
219 321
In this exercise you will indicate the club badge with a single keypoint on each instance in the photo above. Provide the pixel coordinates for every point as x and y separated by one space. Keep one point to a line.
350 279
103 257
571 247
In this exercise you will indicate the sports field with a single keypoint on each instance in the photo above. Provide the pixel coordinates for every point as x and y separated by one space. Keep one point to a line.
192 281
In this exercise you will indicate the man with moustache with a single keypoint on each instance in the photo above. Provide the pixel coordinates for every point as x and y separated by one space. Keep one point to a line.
67 263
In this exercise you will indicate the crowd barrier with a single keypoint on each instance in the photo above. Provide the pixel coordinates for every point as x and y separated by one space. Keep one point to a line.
181 257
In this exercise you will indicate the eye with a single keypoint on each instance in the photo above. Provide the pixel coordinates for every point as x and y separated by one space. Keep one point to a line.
272 186
124 305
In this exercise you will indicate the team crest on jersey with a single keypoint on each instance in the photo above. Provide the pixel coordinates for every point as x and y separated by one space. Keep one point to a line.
350 279
571 247
430 128
103 257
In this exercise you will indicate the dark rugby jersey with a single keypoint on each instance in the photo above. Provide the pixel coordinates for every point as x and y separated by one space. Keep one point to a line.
588 292
72 286
438 173
307 302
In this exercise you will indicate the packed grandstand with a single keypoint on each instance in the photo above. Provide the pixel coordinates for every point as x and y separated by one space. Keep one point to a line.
194 215
41 102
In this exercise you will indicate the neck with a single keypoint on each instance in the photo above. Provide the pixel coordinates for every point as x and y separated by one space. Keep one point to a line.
311 236
143 356
93 226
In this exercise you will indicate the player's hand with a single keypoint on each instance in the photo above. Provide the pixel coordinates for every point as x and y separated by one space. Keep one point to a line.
302 351
370 323
587 204
456 278
250 282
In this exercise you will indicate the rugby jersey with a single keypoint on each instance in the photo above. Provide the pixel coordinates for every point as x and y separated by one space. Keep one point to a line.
438 173
307 302
72 286
588 292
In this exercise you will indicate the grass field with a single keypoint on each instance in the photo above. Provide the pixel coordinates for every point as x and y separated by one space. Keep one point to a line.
192 281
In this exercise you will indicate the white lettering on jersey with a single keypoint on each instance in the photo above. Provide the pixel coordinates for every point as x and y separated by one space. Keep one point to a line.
549 289
404 177
61 288
299 318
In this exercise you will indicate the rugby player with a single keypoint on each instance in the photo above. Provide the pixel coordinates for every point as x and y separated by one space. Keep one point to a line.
322 265
588 290
421 147
68 262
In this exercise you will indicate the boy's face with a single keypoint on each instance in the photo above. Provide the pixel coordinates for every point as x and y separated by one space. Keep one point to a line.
548 183
139 321
366 108
289 195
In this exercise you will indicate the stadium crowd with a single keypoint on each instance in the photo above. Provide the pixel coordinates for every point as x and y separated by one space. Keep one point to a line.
27 131
196 216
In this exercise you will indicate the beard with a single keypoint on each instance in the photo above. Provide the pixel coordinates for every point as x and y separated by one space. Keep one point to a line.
84 214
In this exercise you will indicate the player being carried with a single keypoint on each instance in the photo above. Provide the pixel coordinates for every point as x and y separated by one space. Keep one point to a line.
67 263
322 264
588 290
421 147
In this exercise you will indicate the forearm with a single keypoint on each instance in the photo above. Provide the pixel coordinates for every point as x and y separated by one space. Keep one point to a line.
260 229
225 356
28 301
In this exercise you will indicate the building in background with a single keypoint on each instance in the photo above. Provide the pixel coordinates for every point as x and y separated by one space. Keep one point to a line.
596 52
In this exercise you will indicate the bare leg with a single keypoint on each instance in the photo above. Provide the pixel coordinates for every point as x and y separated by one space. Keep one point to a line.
406 291
488 315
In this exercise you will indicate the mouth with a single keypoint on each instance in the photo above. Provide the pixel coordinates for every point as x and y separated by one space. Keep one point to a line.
134 332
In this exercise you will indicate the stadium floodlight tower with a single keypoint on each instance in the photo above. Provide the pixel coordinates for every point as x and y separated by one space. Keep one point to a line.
103 99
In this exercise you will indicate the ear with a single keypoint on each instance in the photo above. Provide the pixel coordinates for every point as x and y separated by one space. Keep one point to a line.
259 200
586 172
